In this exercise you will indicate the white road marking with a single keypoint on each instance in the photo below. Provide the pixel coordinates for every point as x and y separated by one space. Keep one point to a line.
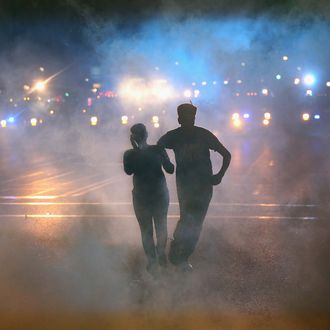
128 216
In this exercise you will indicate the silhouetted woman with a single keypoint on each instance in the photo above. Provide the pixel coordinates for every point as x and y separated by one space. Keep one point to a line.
150 193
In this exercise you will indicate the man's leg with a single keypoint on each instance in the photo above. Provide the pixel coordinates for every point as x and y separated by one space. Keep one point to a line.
193 208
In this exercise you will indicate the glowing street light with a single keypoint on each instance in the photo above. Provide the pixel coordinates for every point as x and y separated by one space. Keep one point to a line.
34 121
309 79
155 119
93 120
296 81
285 58
278 77
265 91
124 120
156 125
305 116
266 122
328 83
187 93
267 115
235 116
40 86
317 117
225 82
3 123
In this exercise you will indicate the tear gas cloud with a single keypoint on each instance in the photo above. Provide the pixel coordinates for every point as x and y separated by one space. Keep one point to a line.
148 67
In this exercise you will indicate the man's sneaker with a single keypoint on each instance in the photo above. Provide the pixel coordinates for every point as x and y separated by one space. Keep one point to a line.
185 267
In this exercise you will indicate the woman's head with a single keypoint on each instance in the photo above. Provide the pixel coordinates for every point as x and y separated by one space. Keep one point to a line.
139 133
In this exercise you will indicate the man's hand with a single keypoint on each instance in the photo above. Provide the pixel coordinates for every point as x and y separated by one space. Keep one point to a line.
133 142
216 179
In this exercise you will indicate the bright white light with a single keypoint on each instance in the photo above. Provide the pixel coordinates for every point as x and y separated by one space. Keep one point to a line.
51 112
278 76
305 116
34 121
265 91
196 92
297 81
246 116
309 92
225 82
93 121
42 69
235 116
267 115
309 79
285 58
26 87
265 122
187 93
237 123
124 120
139 109
243 64
239 81
176 63
317 116
328 83
214 82
40 86
155 119
3 123
204 83
156 125
193 83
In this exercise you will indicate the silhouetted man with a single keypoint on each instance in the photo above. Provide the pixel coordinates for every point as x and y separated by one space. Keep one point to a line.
194 180
150 193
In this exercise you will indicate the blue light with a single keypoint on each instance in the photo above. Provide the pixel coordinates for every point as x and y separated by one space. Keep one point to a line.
246 116
11 120
278 77
317 117
309 79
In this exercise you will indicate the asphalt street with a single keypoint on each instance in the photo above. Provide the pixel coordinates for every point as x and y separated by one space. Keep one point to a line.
69 240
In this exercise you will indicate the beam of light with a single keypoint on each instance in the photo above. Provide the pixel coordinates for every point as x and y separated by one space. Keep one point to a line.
309 79
41 85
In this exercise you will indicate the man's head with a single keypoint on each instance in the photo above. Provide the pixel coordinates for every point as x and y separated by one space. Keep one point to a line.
186 114
139 133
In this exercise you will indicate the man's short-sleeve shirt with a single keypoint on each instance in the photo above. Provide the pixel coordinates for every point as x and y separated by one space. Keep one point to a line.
191 147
